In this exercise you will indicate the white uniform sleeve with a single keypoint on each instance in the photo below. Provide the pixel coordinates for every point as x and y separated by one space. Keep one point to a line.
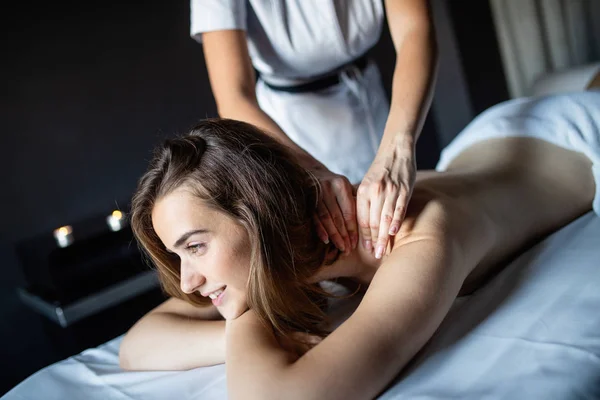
216 15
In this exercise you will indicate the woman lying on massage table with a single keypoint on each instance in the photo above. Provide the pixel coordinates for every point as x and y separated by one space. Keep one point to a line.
225 214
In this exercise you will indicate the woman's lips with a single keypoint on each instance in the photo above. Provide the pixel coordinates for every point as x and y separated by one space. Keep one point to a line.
219 299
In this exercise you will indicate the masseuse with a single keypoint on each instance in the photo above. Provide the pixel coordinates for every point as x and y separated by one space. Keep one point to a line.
318 93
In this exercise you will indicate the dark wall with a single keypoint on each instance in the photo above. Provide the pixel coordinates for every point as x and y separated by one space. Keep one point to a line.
473 27
91 88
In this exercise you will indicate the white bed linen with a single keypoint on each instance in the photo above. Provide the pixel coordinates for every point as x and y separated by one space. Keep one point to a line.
533 332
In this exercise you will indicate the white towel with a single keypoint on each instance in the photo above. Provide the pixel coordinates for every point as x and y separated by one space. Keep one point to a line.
570 120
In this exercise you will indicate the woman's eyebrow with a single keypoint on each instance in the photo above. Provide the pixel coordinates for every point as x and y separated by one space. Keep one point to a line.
186 236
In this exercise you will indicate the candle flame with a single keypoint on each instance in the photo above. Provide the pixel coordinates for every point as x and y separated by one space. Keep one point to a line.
63 230
117 214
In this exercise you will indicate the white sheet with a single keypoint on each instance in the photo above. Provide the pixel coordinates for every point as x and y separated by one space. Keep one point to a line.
532 333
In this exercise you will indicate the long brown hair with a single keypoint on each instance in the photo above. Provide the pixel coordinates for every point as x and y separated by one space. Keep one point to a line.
242 172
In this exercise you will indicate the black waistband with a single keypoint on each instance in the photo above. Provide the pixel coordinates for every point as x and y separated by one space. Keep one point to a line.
331 79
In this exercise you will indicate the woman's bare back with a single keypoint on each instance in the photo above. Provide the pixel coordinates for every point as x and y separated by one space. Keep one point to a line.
498 197
514 191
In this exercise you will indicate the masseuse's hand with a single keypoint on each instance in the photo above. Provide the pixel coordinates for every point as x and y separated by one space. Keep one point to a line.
383 197
336 210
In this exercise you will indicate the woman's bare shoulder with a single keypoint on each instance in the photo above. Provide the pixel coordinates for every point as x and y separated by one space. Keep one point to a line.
426 215
439 209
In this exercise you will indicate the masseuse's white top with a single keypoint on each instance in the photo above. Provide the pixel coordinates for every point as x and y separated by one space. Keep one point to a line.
295 41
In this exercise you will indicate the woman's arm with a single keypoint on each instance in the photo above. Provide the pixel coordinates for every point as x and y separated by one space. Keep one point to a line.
174 336
408 298
385 191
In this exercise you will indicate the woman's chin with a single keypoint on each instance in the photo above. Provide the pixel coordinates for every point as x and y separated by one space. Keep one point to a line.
231 314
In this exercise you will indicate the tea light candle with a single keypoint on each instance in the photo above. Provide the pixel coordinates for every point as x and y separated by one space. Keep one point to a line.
64 235
116 221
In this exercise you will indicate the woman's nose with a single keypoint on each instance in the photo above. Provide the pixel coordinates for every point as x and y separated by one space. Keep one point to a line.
190 279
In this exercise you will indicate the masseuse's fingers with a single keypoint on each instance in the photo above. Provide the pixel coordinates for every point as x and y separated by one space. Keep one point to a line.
400 210
384 225
336 209
338 220
392 216
337 205
321 232
363 213
347 204
408 173
374 218
383 195
329 225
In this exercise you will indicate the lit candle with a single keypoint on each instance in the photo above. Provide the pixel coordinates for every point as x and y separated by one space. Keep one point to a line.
116 221
64 235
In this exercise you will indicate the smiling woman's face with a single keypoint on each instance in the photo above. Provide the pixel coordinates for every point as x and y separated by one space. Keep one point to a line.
212 249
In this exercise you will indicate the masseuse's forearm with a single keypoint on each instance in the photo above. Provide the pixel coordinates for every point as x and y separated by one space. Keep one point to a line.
166 341
412 89
245 108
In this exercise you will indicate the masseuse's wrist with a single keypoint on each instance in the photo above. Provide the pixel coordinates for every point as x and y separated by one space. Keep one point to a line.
405 141
401 145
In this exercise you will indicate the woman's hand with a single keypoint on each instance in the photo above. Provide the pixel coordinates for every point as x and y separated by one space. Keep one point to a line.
383 196
336 211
